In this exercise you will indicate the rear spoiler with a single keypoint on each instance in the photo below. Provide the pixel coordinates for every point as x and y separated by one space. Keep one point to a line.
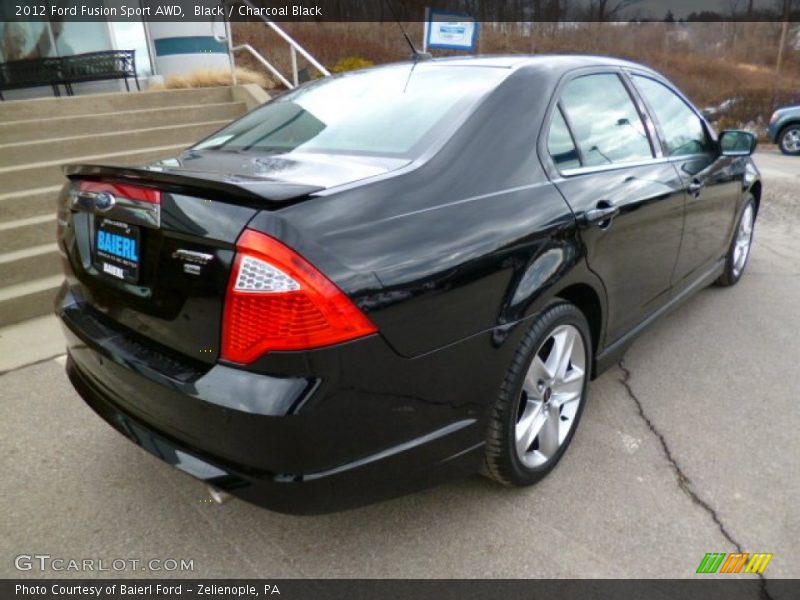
213 186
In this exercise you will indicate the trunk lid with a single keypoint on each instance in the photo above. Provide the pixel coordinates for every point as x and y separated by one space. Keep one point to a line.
149 252
306 168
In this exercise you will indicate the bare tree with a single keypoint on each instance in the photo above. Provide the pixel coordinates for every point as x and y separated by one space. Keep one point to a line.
608 10
786 11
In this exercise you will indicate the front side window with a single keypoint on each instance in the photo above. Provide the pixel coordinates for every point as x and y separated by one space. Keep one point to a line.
606 125
682 129
391 111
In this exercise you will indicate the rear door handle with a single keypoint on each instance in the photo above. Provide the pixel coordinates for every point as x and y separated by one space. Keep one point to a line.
695 186
601 215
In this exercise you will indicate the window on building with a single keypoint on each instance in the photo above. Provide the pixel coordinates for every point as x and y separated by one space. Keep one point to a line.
20 40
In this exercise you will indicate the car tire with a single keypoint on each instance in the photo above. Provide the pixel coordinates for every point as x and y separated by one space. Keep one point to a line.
541 389
789 139
741 244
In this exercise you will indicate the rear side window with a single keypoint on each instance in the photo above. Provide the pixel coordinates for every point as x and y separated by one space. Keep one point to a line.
682 129
560 145
604 120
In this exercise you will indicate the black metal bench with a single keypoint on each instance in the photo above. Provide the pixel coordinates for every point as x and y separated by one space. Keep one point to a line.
67 70
100 66
32 72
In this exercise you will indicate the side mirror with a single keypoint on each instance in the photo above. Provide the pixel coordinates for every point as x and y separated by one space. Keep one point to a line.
734 142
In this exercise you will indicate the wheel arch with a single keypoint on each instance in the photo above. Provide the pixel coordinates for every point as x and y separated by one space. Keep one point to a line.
794 122
755 189
588 302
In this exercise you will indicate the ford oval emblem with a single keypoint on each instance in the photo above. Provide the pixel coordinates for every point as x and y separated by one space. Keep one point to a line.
104 201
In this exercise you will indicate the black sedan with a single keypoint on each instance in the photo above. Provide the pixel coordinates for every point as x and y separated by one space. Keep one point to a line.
392 277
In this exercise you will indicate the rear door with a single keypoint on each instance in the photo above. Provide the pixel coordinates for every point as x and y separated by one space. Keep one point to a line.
710 182
627 198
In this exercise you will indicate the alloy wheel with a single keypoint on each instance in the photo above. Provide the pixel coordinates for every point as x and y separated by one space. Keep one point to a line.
790 141
551 395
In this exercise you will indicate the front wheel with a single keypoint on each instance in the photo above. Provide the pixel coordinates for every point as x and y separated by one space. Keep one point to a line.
789 140
542 397
739 252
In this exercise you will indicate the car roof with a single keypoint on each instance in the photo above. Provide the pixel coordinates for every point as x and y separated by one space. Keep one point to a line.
564 62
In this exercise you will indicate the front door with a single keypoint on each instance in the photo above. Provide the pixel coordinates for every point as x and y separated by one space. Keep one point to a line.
711 183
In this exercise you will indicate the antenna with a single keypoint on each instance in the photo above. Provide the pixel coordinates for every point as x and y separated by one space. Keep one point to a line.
416 55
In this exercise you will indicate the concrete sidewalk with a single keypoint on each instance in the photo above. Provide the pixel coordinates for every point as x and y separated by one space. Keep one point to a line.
30 342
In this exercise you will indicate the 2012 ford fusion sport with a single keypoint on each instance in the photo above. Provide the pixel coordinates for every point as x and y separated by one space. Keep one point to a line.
392 277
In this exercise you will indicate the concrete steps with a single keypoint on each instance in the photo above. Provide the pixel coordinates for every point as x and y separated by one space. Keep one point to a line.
28 299
25 233
22 153
29 264
48 173
59 127
64 106
29 203
38 136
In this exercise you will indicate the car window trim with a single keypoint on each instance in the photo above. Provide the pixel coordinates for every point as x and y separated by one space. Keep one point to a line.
579 151
645 114
630 73
614 167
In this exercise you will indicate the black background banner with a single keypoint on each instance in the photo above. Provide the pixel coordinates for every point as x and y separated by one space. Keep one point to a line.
704 587
406 10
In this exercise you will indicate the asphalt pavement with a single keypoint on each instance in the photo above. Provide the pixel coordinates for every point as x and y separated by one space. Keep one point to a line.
690 446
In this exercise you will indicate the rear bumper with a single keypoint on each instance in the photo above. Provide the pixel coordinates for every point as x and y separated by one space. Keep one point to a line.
378 478
300 445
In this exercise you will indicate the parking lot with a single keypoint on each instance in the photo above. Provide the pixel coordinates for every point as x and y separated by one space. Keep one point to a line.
689 446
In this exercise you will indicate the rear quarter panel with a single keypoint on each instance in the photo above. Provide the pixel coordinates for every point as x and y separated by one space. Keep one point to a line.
470 239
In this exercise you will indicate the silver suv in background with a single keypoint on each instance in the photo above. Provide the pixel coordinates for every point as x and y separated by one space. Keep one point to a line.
784 129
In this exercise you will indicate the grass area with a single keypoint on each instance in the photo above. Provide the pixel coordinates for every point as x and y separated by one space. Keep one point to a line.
212 78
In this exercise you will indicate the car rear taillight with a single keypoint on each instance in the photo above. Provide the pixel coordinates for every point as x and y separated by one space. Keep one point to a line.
121 190
276 300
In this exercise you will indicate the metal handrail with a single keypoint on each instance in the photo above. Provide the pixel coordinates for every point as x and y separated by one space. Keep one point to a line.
294 48
263 61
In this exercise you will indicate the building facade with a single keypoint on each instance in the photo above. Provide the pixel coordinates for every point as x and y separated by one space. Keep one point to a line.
162 48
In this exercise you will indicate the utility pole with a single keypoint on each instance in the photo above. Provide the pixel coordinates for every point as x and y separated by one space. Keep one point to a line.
782 43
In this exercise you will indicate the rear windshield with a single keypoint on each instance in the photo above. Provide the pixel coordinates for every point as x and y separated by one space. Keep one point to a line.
390 111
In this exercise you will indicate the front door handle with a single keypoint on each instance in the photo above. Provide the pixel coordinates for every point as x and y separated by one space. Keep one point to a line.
600 215
695 186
